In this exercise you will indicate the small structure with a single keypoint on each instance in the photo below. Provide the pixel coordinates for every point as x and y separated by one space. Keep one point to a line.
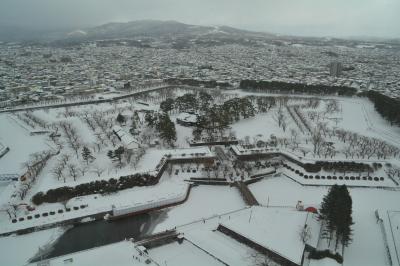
128 141
311 209
300 206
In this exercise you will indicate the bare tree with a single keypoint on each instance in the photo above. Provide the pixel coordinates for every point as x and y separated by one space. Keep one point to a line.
317 141
280 118
82 170
260 259
98 170
73 171
57 171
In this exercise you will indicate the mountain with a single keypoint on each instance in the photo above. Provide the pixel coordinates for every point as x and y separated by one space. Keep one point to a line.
157 29
152 28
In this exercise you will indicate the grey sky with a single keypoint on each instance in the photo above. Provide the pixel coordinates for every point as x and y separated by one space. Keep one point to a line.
299 17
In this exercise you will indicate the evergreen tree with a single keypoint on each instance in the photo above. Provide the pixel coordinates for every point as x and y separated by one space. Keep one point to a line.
86 154
326 212
167 105
110 154
336 211
187 102
343 217
132 129
167 129
121 119
136 118
118 153
205 99
150 119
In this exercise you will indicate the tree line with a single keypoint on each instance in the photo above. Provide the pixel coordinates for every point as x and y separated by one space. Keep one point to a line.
99 186
286 87
198 83
386 106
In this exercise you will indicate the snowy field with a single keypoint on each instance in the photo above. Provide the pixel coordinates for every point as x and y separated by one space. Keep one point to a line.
21 145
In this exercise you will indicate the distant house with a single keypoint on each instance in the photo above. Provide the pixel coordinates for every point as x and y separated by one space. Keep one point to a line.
127 140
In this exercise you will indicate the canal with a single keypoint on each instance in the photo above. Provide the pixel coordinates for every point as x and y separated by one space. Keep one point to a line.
99 233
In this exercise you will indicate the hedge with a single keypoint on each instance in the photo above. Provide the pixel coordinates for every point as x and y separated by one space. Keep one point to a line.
285 87
99 186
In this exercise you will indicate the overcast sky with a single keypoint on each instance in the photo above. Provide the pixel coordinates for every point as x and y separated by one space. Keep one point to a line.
341 18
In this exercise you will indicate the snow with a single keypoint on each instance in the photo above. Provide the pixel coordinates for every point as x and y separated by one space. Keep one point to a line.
276 229
262 124
390 222
186 117
122 253
182 135
324 262
175 254
203 202
369 122
21 145
152 197
222 246
18 249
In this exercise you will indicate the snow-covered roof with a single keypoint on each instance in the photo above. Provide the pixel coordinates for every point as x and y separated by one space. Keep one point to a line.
127 139
278 230
187 117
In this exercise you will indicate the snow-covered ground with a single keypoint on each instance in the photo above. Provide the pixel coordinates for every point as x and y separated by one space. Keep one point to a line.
203 202
390 222
175 254
21 145
18 249
367 235
122 253
207 206
261 124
